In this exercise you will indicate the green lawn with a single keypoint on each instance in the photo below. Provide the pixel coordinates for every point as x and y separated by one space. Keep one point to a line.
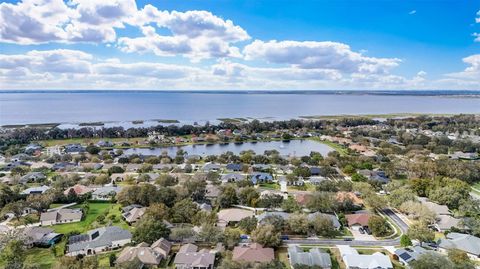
337 147
89 222
272 186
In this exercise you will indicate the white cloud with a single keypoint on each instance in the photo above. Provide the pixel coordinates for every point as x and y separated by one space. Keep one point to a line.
477 19
477 37
71 68
318 55
194 34
413 12
43 21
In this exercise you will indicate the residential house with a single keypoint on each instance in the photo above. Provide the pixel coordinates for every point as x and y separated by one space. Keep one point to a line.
40 236
261 177
316 180
235 167
261 167
458 155
266 214
314 257
105 144
315 171
63 215
189 257
98 240
63 166
444 221
35 190
133 214
32 177
357 221
33 149
252 253
375 175
232 177
147 255
410 254
79 190
105 193
468 243
211 167
232 215
343 196
74 148
353 260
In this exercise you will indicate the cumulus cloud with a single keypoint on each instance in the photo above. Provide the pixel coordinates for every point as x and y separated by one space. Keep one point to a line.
43 21
70 68
477 19
318 55
194 34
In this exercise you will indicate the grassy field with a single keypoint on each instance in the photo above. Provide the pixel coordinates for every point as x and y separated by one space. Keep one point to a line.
337 147
89 222
271 186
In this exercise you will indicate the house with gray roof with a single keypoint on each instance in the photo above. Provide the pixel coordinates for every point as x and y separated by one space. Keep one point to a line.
35 190
314 257
468 243
189 257
40 236
261 177
232 177
32 177
98 240
266 214
211 167
105 193
63 215
410 254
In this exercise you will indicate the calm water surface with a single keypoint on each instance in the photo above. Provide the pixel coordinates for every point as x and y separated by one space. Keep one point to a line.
292 148
75 107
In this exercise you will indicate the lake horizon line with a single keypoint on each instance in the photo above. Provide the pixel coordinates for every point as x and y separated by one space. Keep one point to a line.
273 92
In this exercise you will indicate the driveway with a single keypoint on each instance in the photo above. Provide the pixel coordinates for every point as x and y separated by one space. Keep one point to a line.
362 237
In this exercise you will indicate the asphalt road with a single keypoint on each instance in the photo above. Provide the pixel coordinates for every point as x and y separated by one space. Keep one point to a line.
388 242
400 223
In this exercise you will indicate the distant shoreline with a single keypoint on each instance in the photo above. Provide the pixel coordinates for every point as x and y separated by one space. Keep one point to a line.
101 124
451 93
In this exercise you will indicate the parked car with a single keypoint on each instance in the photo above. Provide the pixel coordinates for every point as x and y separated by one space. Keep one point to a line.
367 230
347 239
284 237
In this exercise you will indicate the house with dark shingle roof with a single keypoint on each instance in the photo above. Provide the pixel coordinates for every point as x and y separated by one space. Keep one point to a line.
98 240
261 177
32 177
234 167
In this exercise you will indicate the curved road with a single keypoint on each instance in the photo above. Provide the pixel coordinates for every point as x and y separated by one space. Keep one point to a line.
388 242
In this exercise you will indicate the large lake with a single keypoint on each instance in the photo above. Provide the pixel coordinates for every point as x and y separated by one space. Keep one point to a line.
188 107
292 148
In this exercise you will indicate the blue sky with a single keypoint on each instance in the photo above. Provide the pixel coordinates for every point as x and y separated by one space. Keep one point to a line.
284 45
